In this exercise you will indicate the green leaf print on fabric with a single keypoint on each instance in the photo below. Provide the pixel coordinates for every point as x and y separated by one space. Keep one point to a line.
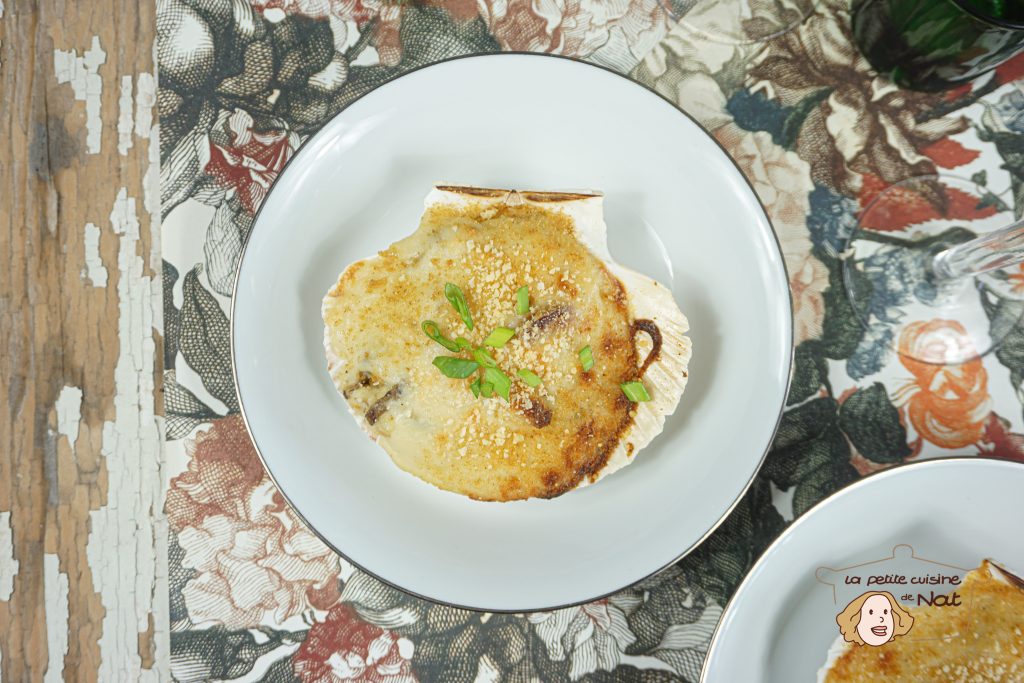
1009 142
810 372
427 35
810 453
873 425
184 411
841 330
630 674
833 473
281 671
206 340
1003 313
719 564
797 115
673 621
800 429
218 654
172 316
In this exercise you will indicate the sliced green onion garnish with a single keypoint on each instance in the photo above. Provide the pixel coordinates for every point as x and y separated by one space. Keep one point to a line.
487 389
474 386
431 329
463 343
499 337
586 358
635 391
457 299
484 358
456 368
529 377
523 300
500 380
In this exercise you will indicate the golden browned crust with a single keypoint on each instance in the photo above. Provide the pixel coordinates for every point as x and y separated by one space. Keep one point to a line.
549 439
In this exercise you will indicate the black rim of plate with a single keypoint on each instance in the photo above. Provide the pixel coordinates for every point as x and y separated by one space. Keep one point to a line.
540 608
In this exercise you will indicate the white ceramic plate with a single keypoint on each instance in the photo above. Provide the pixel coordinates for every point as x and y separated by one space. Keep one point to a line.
780 623
677 209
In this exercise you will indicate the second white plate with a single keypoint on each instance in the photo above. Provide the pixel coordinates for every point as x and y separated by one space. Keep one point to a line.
780 623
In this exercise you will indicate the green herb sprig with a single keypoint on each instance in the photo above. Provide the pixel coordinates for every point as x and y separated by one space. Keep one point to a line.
529 377
491 379
586 358
455 367
458 300
635 391
523 300
432 330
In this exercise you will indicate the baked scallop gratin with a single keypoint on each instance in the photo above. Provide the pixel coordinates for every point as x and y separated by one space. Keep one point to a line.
499 352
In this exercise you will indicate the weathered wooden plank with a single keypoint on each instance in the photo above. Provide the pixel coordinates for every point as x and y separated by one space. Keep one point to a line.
82 588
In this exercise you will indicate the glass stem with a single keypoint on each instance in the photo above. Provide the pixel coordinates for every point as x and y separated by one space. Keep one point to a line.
999 249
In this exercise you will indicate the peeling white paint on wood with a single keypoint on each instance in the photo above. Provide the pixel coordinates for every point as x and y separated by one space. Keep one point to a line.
56 605
151 202
8 565
125 554
81 73
69 413
95 272
151 191
125 122
145 100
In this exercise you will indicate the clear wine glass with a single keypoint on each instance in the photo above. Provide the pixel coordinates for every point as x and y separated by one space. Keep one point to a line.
957 270
740 22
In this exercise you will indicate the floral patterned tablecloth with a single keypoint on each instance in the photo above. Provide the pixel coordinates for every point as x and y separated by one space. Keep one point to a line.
255 596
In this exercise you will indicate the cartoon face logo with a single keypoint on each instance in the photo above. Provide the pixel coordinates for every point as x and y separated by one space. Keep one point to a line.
874 619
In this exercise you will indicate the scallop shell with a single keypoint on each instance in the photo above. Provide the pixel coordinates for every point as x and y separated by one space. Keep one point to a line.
665 375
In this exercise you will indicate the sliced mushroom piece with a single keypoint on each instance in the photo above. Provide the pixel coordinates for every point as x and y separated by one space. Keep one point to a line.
381 405
551 318
363 379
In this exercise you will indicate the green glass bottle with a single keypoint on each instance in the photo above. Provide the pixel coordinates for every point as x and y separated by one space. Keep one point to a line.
935 44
